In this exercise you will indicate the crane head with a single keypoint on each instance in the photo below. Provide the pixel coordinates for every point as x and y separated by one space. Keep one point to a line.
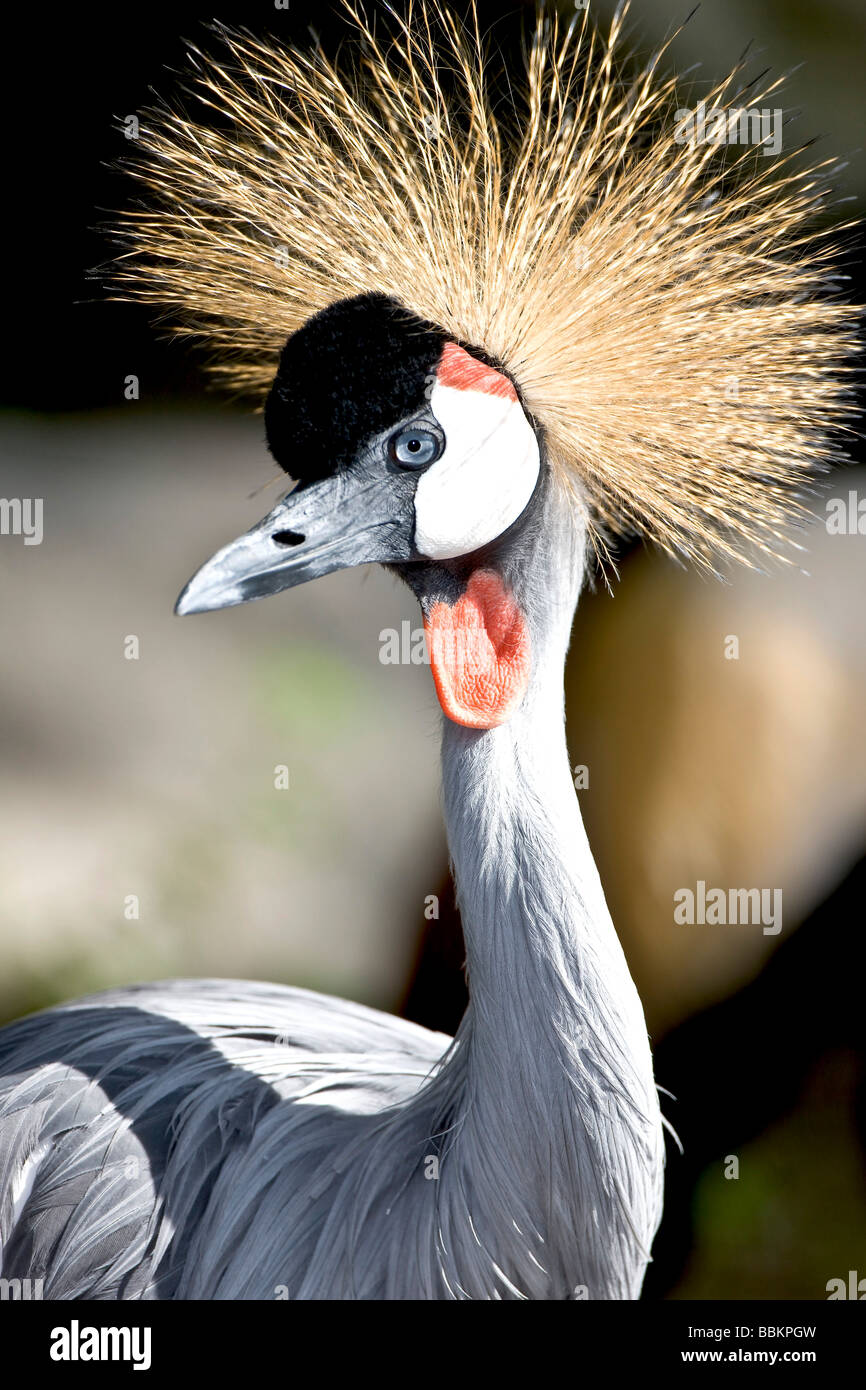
411 450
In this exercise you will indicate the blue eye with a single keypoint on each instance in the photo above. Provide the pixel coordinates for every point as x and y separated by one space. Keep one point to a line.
415 447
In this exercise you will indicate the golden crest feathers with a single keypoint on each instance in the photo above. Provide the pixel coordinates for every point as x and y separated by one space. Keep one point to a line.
661 302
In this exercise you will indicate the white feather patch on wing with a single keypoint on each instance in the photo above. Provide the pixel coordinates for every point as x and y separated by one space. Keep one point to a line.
484 479
22 1186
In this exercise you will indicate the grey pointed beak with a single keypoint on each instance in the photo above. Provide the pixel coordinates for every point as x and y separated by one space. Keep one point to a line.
349 519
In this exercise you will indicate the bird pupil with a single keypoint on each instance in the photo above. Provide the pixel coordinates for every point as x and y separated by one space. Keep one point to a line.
414 445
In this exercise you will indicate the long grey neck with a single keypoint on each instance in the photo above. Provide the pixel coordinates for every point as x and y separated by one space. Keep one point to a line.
556 1104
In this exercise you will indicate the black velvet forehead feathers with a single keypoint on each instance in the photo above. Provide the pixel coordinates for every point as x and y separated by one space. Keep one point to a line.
349 373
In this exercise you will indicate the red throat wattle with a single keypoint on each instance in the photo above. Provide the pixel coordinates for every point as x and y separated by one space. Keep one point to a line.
479 653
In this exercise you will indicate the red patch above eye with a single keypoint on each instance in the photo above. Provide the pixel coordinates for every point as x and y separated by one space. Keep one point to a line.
460 370
479 652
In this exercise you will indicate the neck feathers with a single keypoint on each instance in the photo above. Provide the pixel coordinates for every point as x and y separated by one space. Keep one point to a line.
551 1120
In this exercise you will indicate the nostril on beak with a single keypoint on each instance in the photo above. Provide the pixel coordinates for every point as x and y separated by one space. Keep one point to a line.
288 538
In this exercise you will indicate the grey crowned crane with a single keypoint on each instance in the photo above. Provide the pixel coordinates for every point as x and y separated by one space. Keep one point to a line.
504 321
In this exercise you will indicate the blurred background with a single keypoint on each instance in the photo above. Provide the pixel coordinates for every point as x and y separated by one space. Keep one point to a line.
147 785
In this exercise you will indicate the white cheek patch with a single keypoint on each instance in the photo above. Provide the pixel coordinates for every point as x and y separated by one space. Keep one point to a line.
485 477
